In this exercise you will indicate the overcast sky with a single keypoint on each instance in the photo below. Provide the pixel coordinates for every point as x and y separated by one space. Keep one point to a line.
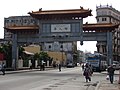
22 7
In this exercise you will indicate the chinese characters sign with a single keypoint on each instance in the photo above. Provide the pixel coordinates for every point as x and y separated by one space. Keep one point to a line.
60 27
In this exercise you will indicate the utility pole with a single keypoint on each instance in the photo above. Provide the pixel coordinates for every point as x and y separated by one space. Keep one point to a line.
62 51
119 77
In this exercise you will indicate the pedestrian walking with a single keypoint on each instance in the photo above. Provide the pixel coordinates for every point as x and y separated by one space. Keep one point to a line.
110 71
91 68
42 66
87 73
3 67
59 66
83 67
0 67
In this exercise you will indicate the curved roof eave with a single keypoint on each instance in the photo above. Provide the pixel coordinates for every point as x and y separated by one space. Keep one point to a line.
70 12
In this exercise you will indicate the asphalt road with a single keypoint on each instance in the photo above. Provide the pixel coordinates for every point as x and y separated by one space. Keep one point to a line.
68 78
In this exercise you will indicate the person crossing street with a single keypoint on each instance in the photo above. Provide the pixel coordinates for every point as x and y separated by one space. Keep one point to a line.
87 73
110 71
3 68
59 66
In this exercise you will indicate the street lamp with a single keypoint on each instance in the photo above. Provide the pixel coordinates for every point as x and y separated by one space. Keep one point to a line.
62 50
119 76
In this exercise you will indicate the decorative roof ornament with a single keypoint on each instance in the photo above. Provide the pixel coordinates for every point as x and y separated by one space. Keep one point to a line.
107 5
40 9
81 7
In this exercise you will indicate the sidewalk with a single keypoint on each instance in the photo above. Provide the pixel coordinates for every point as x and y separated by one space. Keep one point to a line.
116 72
106 85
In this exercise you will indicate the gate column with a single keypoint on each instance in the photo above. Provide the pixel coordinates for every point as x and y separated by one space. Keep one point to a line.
109 48
14 51
81 31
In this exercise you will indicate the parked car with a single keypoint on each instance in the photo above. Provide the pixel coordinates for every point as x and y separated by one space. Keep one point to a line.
70 65
116 65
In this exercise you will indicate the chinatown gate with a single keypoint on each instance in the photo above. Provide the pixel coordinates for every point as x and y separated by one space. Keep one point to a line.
60 26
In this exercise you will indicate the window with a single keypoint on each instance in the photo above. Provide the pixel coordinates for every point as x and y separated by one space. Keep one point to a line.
12 21
109 13
25 21
98 20
7 21
49 46
16 21
61 46
104 19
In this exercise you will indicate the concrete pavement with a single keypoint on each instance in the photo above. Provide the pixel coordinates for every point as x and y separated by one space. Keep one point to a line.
73 83
76 85
106 85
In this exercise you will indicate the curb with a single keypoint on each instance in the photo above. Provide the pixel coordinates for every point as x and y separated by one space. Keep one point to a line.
19 71
98 86
106 73
116 73
23 71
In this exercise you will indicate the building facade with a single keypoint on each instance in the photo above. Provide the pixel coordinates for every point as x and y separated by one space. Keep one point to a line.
108 14
17 21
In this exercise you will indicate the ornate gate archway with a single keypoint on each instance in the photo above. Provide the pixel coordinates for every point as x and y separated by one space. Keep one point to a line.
59 26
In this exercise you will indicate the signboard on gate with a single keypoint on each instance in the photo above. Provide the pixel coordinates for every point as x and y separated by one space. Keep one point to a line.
60 28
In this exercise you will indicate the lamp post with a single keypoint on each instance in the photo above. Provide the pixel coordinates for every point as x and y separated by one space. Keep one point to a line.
119 76
62 51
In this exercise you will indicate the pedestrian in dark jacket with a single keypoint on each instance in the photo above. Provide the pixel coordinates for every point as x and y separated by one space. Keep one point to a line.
3 68
83 67
59 66
87 73
110 71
